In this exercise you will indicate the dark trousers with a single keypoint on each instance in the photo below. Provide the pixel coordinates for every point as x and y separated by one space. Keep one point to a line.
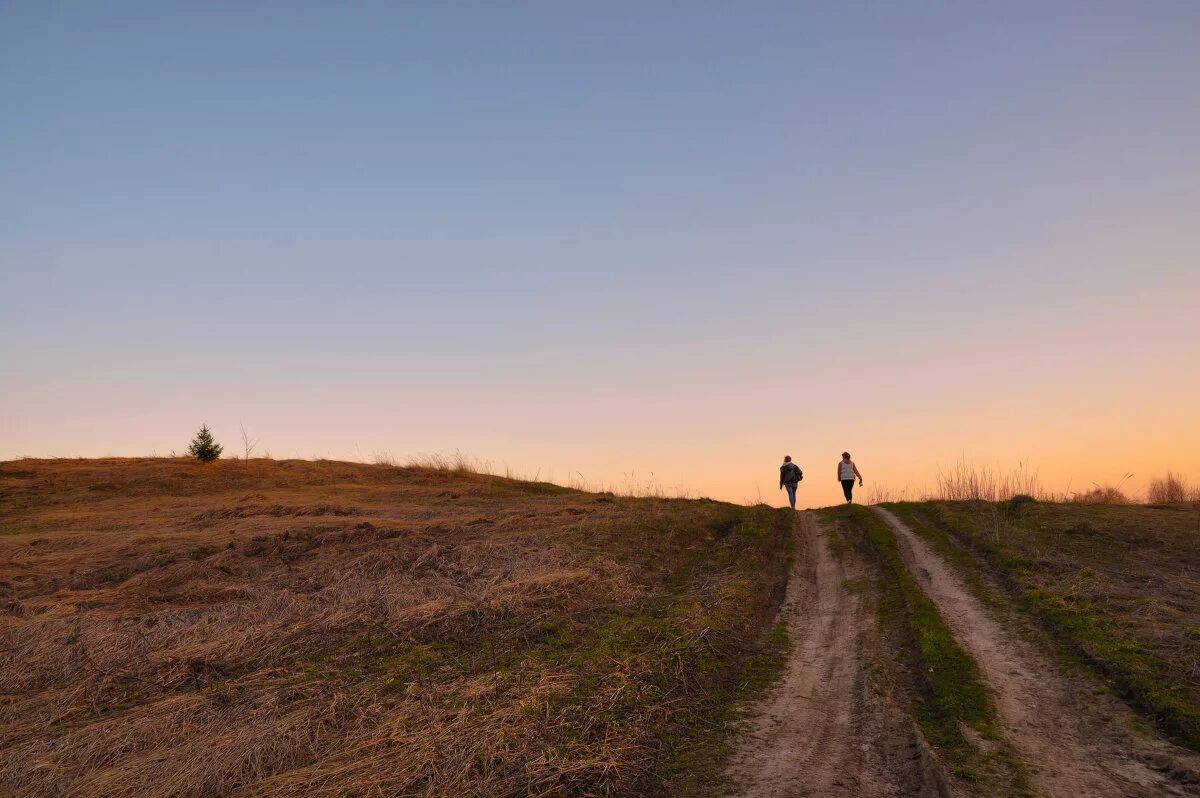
848 488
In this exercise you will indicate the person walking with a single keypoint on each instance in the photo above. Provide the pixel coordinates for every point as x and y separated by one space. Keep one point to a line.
847 471
789 477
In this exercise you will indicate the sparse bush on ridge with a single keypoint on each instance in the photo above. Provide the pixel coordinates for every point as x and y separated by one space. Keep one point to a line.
1102 494
248 444
1171 489
384 458
1016 503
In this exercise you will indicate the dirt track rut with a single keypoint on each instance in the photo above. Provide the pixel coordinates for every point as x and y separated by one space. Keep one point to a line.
1073 741
823 730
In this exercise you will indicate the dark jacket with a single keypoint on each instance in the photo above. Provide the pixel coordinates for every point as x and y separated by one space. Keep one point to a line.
790 474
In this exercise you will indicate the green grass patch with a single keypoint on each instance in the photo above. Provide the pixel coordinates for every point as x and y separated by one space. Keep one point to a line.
730 668
953 690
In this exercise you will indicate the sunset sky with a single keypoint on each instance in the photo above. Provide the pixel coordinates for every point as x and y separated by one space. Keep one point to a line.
637 242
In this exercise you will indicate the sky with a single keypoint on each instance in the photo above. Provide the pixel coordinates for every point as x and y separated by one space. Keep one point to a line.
627 244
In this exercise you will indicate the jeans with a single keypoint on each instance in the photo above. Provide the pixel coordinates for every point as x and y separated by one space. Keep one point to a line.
848 489
791 489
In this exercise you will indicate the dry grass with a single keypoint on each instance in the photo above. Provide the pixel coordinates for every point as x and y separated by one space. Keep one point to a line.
972 482
318 629
1171 489
879 494
632 484
967 481
457 463
1105 494
1102 494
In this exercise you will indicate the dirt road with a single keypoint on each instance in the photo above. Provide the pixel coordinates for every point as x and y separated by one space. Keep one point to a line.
1073 739
828 729
824 730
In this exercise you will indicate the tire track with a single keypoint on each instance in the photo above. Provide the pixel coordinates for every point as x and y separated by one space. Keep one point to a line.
1071 745
822 730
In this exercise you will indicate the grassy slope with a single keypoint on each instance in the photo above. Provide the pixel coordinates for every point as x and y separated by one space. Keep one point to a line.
1117 586
319 629
948 693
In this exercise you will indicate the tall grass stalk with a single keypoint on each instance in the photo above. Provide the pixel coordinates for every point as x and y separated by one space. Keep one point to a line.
971 482
633 484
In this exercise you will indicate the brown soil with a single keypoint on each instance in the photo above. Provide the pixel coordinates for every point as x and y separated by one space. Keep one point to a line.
1074 738
824 729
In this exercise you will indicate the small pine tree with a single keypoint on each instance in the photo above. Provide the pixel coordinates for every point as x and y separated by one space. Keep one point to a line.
203 447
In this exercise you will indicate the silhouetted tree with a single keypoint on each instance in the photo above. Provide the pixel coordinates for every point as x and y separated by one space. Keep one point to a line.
203 447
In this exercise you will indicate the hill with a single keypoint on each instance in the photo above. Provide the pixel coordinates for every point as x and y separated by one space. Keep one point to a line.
294 628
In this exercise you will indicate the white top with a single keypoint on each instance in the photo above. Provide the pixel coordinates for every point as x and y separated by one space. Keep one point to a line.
846 470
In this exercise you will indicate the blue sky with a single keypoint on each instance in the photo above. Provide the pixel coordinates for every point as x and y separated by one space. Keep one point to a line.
617 233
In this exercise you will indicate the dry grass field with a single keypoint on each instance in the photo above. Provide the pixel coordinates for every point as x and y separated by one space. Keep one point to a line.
294 628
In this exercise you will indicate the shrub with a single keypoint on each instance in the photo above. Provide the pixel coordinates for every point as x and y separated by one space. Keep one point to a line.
1020 500
1171 489
203 447
1102 494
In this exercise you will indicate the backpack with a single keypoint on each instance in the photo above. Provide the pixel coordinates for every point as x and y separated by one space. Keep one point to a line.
796 469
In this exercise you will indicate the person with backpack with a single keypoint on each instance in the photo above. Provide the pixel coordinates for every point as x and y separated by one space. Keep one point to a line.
847 471
789 477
